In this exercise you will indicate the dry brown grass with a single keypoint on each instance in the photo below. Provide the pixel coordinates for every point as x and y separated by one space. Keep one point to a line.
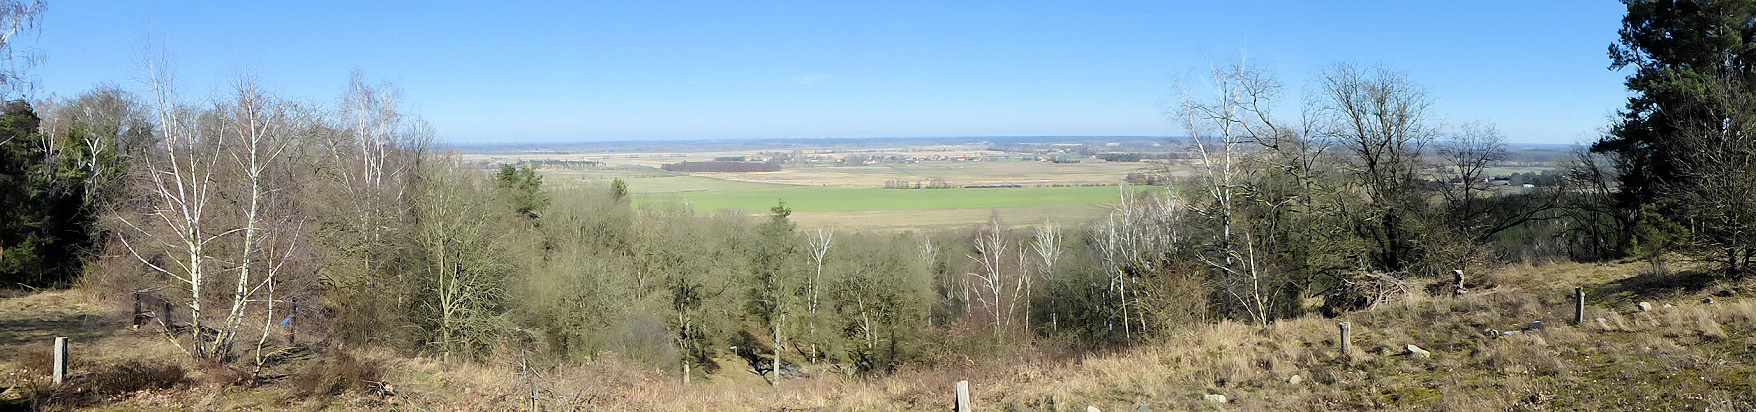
343 374
1688 356
928 219
34 360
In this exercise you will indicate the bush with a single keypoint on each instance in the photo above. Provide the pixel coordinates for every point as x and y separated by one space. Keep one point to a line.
343 374
35 360
91 389
134 376
217 373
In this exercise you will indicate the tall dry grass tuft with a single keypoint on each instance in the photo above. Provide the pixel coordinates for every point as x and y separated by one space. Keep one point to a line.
34 360
344 373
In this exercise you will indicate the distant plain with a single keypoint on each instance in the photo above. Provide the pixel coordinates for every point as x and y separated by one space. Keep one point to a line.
853 196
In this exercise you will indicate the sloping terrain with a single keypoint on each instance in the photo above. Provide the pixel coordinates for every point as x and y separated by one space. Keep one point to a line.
1691 348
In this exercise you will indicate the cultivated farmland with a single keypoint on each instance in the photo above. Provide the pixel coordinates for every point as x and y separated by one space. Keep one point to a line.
828 190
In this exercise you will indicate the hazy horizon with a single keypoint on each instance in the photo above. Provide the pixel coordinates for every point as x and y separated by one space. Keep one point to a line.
850 138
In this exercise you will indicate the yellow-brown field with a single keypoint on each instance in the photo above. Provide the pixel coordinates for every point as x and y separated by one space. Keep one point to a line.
639 171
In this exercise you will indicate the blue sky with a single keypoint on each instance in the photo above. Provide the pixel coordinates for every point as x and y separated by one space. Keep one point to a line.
483 72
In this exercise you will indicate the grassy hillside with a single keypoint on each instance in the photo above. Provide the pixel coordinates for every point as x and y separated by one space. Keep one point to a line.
1693 350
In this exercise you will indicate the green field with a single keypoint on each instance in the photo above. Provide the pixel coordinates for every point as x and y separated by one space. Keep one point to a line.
843 198
849 196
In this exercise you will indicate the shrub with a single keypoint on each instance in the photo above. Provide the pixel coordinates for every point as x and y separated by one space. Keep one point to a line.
35 360
91 389
134 376
345 373
217 373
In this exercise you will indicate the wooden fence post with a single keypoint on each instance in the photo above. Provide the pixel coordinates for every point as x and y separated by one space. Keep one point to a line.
293 324
1347 339
60 359
139 318
962 396
1579 305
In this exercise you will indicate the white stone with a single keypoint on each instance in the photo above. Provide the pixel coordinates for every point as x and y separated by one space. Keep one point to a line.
1644 306
1295 379
1089 408
1215 398
1416 351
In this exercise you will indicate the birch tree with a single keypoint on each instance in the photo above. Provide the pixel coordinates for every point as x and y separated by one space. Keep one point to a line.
16 18
370 151
990 281
1115 239
1047 245
1222 127
771 291
261 131
180 186
819 244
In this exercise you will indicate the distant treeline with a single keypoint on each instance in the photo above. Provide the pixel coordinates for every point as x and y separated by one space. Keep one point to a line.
546 164
941 184
917 184
721 166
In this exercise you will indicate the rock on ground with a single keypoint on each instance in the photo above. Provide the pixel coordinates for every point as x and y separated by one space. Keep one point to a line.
1416 351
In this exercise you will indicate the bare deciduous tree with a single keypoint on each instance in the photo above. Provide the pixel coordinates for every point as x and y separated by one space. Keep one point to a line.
1465 161
261 130
1380 118
820 242
1047 245
180 186
17 17
990 281
1123 243
1224 128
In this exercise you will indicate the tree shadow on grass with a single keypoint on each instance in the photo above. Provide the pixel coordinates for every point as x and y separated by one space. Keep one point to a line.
19 332
1653 286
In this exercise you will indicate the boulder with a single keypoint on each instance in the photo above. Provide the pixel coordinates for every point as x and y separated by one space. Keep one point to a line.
1296 379
1417 352
1214 398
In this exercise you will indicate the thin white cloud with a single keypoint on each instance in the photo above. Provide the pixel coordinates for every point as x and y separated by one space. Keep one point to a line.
811 78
